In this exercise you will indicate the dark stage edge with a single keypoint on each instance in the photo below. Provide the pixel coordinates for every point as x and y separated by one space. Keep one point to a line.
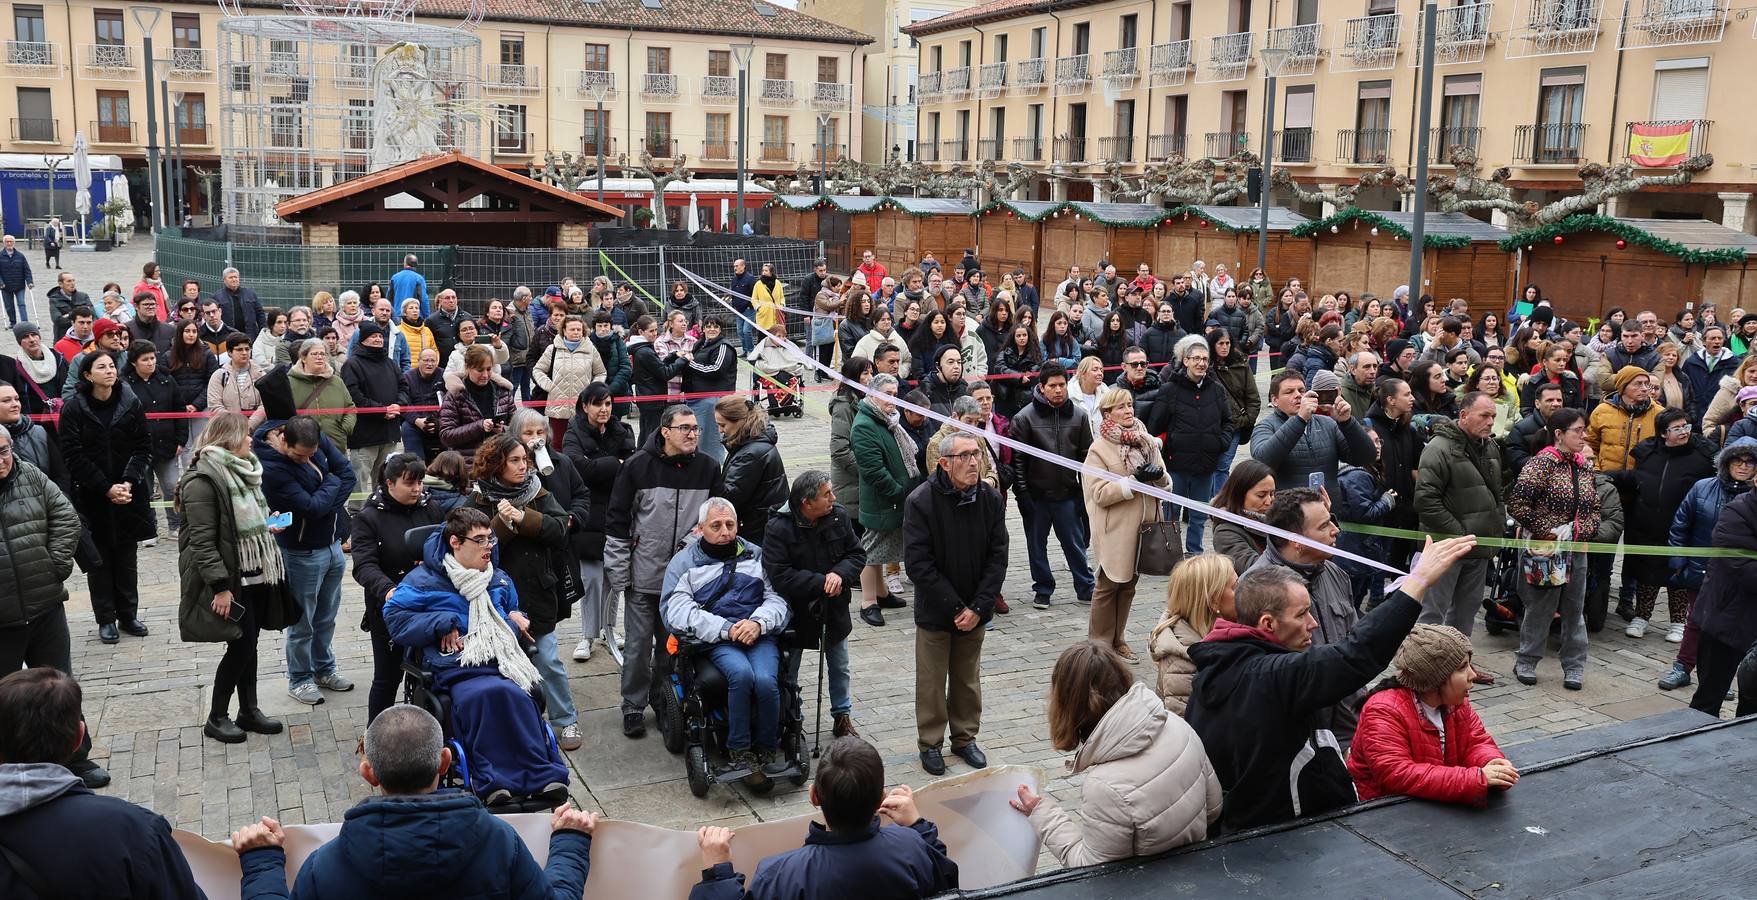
1659 807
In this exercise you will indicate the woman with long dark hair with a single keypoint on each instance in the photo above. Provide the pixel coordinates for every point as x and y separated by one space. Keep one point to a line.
109 455
754 478
1112 340
1059 342
191 366
1432 395
934 332
598 443
996 327
1015 369
382 555
1248 490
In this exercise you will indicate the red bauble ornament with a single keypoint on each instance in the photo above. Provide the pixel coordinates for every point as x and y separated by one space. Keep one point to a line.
1202 223
1621 243
1557 239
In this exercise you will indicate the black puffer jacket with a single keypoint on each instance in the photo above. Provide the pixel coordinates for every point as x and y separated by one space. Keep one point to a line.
598 457
650 371
380 553
1011 391
39 531
418 390
192 380
1399 457
1196 419
1160 342
1061 430
373 381
101 452
796 557
1233 320
755 480
940 394
1656 482
158 394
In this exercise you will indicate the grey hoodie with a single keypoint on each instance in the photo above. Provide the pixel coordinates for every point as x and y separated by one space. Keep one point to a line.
29 785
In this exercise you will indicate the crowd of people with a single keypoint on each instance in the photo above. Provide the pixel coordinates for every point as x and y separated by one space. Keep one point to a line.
588 453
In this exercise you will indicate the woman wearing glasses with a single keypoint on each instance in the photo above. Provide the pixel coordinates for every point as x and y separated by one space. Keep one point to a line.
1554 498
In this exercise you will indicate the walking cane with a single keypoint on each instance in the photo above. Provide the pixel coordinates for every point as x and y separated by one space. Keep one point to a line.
823 648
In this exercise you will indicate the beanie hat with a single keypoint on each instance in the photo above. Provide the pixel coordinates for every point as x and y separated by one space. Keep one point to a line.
1743 321
25 329
369 328
1625 375
1748 392
1325 380
1543 314
1429 655
1394 348
105 326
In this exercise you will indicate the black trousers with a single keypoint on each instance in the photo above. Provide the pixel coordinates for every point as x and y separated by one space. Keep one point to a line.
44 642
115 585
237 670
387 668
1716 664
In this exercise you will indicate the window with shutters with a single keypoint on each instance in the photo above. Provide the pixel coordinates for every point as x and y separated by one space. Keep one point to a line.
115 125
1295 143
827 70
720 63
597 58
775 66
1680 89
109 26
185 31
659 60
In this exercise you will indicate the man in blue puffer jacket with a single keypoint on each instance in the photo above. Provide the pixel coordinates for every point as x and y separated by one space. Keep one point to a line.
1693 526
415 840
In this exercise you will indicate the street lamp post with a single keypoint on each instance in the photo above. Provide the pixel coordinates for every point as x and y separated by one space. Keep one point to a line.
823 151
1274 58
179 182
1418 226
146 18
599 89
741 54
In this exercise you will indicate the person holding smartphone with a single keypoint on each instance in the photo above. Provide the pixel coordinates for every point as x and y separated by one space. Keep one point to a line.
476 411
227 542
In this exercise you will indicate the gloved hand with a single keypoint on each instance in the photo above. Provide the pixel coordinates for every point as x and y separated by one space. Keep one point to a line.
1389 497
1148 473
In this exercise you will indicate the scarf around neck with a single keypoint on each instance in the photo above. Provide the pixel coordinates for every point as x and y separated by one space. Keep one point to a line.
259 558
1133 442
520 495
41 370
905 443
489 638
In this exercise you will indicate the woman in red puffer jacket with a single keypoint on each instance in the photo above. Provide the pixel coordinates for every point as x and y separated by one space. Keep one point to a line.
1418 735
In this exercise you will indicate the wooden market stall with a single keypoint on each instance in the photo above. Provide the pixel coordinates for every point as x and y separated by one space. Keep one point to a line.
1360 250
794 216
898 230
1587 264
1228 234
1009 236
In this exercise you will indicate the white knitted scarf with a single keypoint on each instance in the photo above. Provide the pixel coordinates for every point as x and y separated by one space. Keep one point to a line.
489 639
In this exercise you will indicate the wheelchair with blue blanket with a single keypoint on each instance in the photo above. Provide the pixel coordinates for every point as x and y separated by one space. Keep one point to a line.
529 776
690 700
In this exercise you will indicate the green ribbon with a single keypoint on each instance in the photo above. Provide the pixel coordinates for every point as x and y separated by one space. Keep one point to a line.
605 260
1568 546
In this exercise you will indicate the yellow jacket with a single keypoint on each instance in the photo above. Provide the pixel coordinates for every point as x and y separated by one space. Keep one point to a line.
768 303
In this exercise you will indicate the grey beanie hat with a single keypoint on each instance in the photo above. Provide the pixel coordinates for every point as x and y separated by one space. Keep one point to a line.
1429 655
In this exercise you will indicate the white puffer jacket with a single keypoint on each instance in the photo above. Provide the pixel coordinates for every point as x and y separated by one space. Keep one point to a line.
1149 787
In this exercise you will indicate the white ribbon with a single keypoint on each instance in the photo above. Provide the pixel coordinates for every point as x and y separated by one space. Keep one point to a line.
710 288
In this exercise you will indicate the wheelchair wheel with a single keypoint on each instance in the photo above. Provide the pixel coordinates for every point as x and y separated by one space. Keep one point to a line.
695 762
796 749
670 715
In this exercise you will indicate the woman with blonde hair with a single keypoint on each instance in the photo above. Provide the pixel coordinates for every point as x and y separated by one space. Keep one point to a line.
1670 387
1200 592
1149 786
1086 387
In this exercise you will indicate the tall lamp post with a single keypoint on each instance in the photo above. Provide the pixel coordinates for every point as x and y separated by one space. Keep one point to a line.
1418 226
1274 58
174 146
741 54
599 88
823 150
146 18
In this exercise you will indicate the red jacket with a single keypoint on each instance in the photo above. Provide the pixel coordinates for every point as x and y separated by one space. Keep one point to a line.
1396 750
874 273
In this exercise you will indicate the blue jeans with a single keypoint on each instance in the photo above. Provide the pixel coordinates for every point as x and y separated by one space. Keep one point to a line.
704 416
836 661
316 579
15 308
746 336
1196 486
520 376
1064 516
556 692
752 680
413 438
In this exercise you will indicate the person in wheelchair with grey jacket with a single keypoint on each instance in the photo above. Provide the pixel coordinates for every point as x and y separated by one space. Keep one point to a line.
716 594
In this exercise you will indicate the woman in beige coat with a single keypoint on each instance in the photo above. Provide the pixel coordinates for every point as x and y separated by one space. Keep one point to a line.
1200 592
564 370
1149 786
1117 512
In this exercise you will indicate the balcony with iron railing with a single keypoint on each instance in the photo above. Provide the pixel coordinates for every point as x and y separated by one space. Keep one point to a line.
1222 144
988 149
831 95
955 150
1461 35
927 86
659 86
1549 143
36 131
1369 43
778 92
509 78
191 62
1644 149
927 151
1117 148
776 151
718 151
1028 76
1229 56
112 132
108 57
1073 74
1302 43
1167 145
828 153
1070 149
1364 146
1168 65
1292 145
586 79
659 146
1028 149
956 85
1121 67
1668 23
1442 140
719 90
590 144
32 55
991 80
199 134
1554 27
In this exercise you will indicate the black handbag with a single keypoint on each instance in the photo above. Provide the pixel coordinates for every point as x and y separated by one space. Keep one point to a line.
1160 547
274 604
570 590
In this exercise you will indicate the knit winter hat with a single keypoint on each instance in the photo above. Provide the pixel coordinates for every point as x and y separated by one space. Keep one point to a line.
1625 375
1394 348
1748 392
1429 656
25 329
369 328
1544 314
1325 380
105 326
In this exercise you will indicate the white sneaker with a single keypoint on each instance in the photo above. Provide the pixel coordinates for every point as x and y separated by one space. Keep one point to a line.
1638 628
617 636
893 584
1676 634
150 542
582 651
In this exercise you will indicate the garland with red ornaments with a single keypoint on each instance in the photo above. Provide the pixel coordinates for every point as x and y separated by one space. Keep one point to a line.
1626 234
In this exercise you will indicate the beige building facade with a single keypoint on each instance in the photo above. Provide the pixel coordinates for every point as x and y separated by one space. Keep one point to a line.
1538 86
668 68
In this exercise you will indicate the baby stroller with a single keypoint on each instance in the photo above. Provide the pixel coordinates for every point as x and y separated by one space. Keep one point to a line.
690 700
782 391
482 757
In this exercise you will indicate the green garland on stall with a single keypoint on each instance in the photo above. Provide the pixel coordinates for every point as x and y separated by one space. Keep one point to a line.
1355 214
1174 212
1072 207
1546 234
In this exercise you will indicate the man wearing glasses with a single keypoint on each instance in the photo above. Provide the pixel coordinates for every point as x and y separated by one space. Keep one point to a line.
1139 379
654 506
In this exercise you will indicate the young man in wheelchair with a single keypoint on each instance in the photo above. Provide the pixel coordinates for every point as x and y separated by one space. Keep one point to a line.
716 595
460 617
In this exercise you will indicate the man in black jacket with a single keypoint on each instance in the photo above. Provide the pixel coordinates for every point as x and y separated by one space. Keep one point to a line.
444 322
955 551
64 298
124 850
1053 424
1258 689
238 304
1516 450
814 560
1191 303
374 383
422 387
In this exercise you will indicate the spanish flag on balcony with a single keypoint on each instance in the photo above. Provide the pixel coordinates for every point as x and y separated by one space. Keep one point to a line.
1659 145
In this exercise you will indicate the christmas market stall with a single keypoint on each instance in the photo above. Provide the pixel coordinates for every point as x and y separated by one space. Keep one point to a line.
909 228
1228 234
1009 235
1359 250
1589 263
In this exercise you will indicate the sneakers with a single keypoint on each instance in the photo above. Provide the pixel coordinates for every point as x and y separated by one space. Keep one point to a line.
150 542
569 738
617 637
335 681
1637 628
582 651
1675 634
634 725
894 584
773 764
1526 674
306 693
1678 677
1040 601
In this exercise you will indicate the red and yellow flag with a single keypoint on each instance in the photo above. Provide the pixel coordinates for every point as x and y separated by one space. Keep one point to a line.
1659 145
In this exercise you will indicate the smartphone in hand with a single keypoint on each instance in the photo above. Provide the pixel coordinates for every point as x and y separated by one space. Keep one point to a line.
280 520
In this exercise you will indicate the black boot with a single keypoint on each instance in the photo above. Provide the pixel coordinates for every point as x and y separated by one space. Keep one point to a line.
1598 600
252 720
221 729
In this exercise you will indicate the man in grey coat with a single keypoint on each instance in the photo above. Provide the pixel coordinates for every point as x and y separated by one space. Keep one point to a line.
1297 441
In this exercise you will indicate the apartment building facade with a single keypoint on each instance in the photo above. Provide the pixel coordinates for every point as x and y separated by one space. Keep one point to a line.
1538 86
667 70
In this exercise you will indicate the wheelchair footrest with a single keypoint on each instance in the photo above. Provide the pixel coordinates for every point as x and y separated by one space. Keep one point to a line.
731 774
